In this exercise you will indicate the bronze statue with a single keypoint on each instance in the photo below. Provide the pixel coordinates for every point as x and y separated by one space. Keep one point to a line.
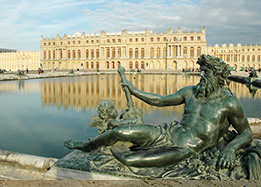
210 109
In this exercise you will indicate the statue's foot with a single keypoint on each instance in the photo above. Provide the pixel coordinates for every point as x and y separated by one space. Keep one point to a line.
72 144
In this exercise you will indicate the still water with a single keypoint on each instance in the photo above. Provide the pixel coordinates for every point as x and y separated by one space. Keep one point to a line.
37 116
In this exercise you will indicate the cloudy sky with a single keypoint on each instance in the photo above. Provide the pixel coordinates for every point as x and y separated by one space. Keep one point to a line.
22 22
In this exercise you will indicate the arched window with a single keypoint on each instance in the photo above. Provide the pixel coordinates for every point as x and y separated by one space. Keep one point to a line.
87 65
235 58
92 53
118 64
185 51
136 65
253 58
79 53
119 52
61 53
258 58
248 58
158 52
69 54
107 65
198 51
130 52
130 65
228 58
92 66
108 52
87 53
97 65
97 53
191 51
142 53
49 54
113 65
74 56
164 52
243 58
142 65
136 53
53 54
44 54
113 52
151 52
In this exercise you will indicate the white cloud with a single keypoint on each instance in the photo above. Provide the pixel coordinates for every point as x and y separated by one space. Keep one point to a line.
226 21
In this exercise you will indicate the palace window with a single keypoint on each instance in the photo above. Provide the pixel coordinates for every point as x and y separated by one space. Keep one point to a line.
69 42
73 42
74 55
44 44
61 53
97 41
130 40
165 38
130 65
113 40
92 41
192 52
97 65
79 53
192 38
119 40
44 54
164 52
130 52
151 52
87 53
142 53
108 52
97 53
69 54
113 65
158 52
108 41
136 53
61 43
142 39
49 43
53 54
185 38
199 38
136 65
49 55
253 58
87 65
119 52
198 51
107 65
113 52
158 39
53 43
151 39
92 66
174 39
142 65
136 39
87 41
92 53
185 51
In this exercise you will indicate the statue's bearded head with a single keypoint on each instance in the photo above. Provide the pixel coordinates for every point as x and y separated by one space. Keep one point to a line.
214 73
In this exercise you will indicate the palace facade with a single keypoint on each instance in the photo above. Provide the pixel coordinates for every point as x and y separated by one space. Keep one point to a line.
20 60
134 50
238 57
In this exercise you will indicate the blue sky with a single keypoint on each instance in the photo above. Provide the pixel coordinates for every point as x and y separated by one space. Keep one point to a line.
22 22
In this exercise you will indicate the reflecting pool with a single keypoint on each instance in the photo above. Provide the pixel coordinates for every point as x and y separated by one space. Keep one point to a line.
37 116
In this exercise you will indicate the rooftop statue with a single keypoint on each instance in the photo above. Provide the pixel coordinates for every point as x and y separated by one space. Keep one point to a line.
199 143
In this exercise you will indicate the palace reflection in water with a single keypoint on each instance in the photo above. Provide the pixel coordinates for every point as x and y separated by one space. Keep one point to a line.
86 92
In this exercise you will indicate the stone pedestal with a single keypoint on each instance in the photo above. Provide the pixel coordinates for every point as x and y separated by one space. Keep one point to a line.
76 166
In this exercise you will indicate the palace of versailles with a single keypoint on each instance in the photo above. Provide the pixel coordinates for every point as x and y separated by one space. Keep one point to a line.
134 50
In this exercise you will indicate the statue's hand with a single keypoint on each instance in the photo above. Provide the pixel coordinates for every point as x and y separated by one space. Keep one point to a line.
121 70
128 84
226 159
71 144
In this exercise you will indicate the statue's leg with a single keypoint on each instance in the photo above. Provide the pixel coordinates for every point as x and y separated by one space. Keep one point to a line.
137 134
155 157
